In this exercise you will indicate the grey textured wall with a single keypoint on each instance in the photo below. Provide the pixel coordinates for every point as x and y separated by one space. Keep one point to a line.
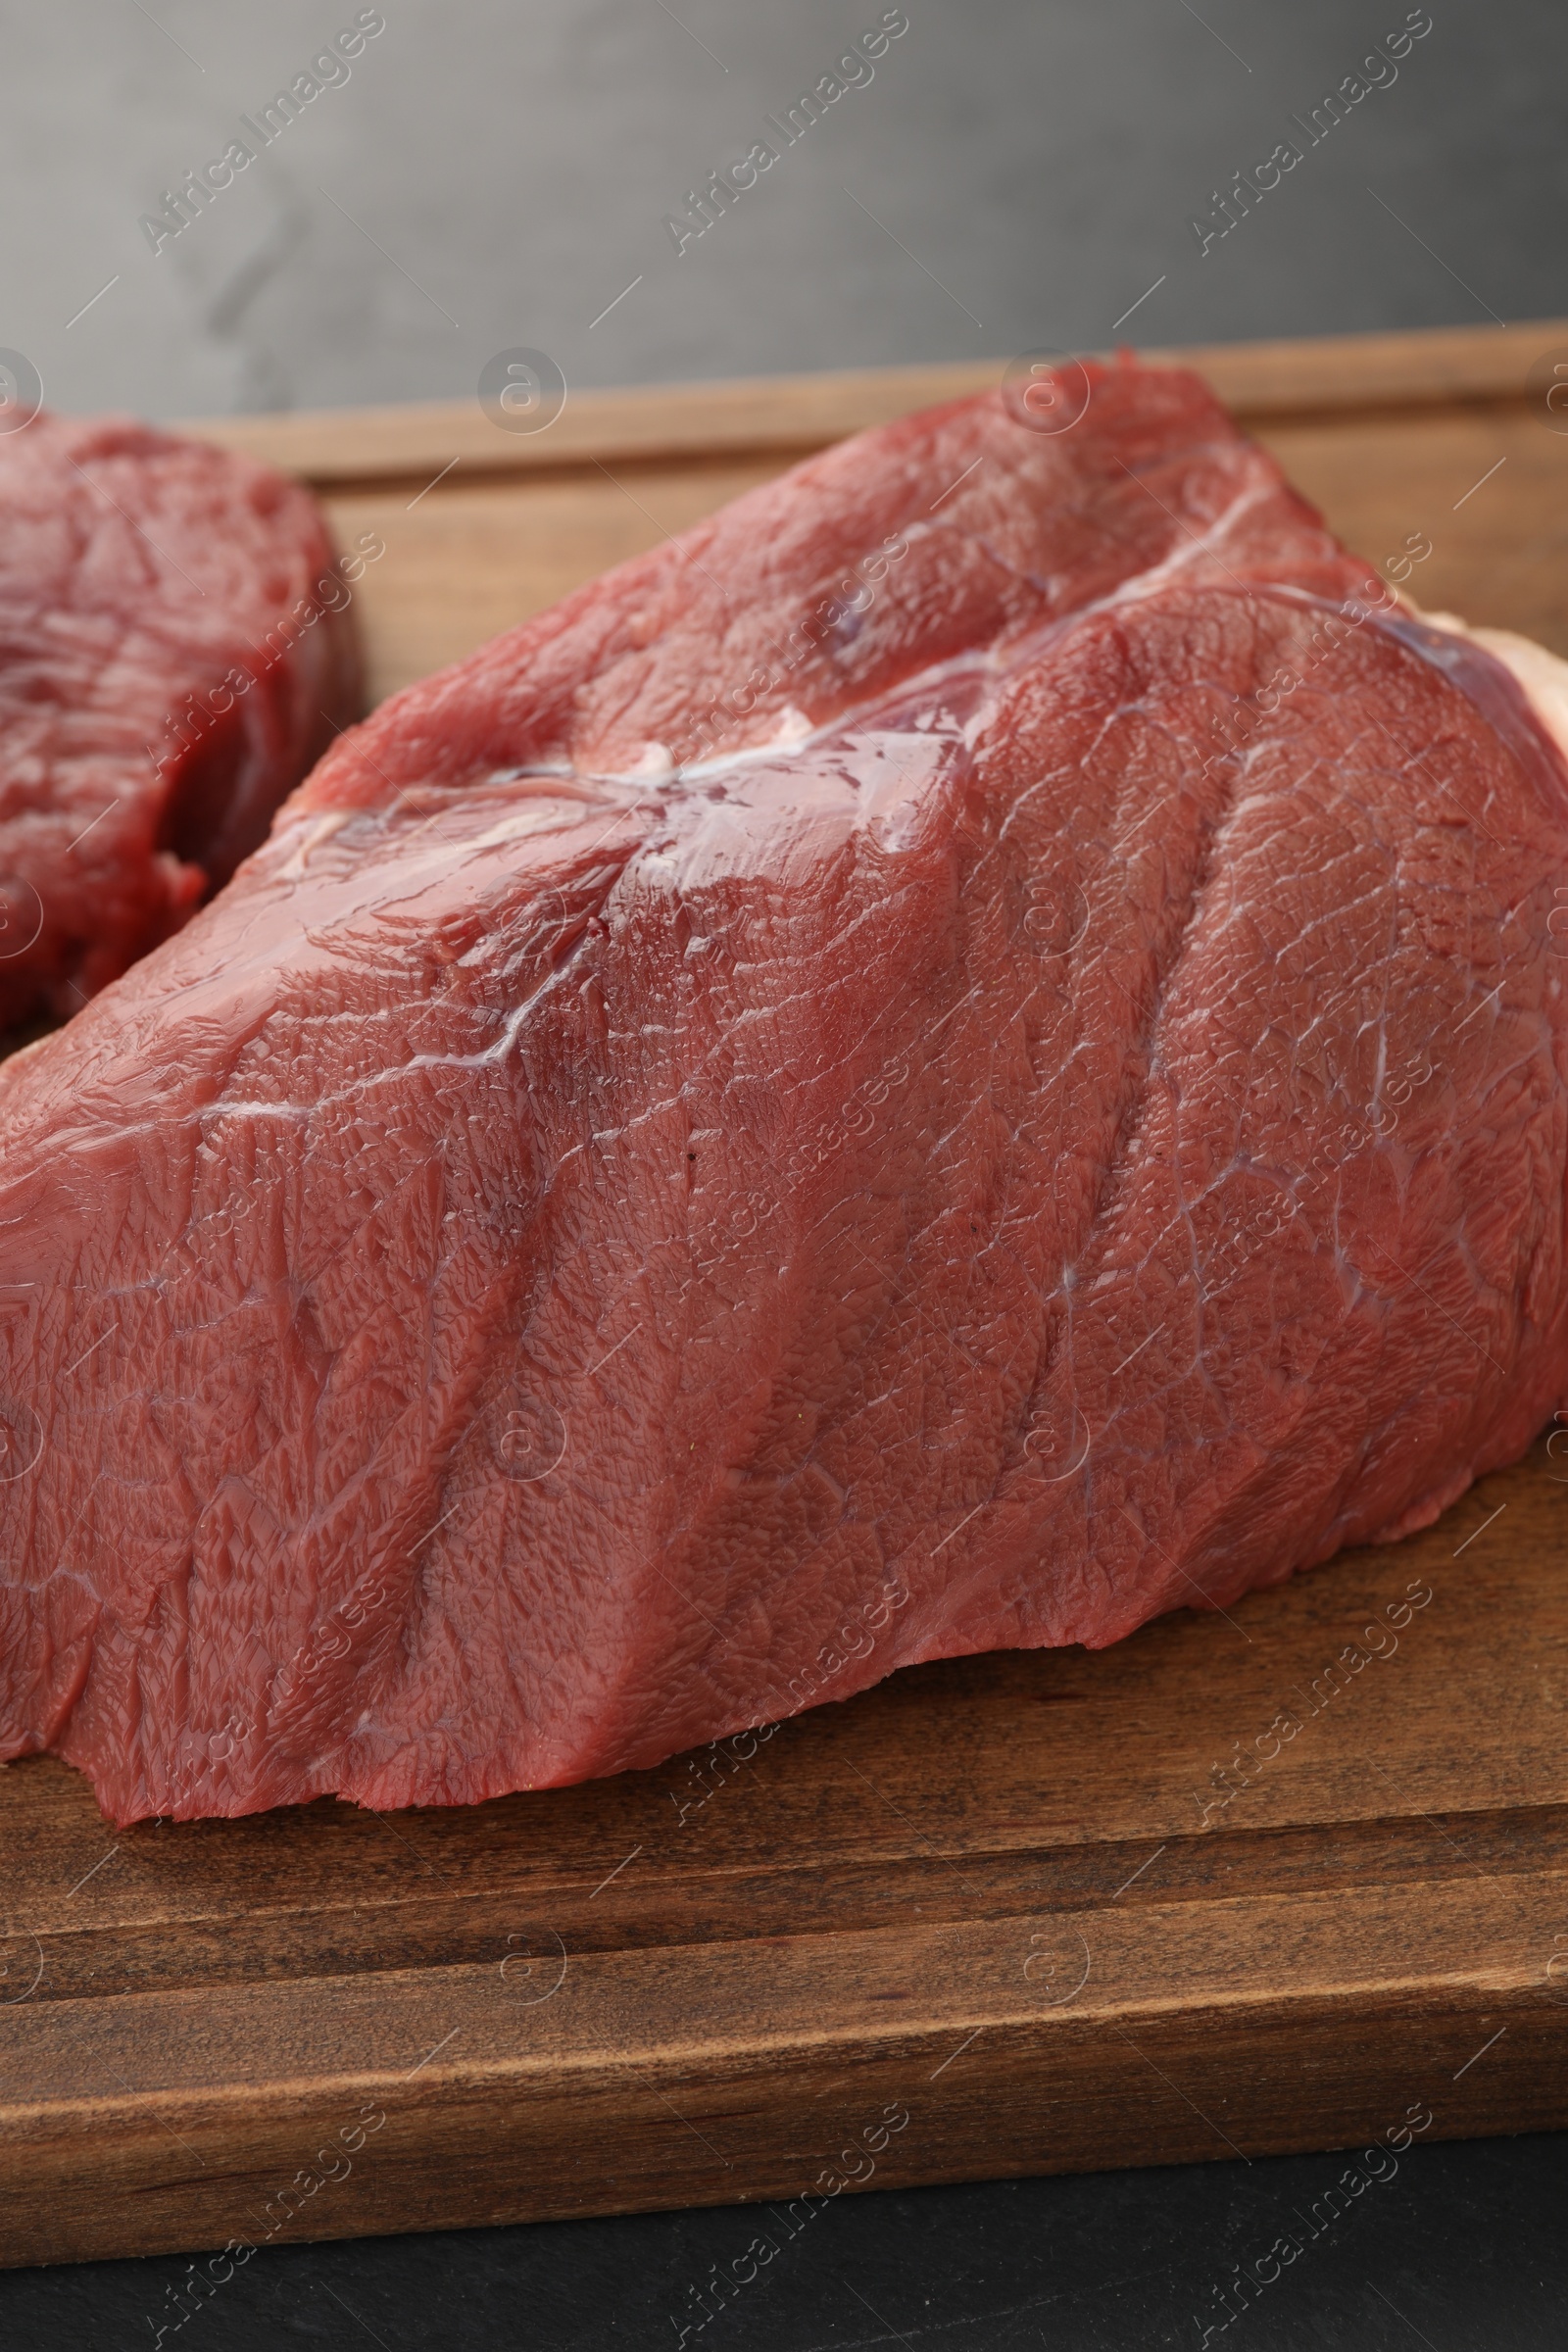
1015 173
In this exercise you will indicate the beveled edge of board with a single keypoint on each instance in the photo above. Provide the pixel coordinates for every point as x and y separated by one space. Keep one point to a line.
1173 2040
336 448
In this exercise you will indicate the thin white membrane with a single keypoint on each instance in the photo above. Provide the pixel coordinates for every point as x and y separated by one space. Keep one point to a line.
1540 676
797 736
845 774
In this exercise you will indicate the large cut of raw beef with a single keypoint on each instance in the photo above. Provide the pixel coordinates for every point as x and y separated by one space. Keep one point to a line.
174 655
970 1052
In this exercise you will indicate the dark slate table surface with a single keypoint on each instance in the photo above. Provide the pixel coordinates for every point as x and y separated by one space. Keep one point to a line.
1462 2248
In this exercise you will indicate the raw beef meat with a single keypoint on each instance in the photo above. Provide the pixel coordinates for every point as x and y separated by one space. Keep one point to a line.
970 1052
173 657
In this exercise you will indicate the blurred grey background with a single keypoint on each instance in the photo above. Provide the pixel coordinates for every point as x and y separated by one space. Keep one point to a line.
1007 174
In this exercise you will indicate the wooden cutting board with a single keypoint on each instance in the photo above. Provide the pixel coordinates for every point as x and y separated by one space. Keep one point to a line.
1293 1878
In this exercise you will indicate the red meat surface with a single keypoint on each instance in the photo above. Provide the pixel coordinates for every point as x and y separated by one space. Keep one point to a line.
174 655
1054 1108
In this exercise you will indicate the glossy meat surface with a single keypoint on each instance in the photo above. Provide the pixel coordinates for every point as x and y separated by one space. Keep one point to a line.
175 652
1060 1114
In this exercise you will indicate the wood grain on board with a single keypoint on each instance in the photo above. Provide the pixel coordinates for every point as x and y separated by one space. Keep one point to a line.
1278 1879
